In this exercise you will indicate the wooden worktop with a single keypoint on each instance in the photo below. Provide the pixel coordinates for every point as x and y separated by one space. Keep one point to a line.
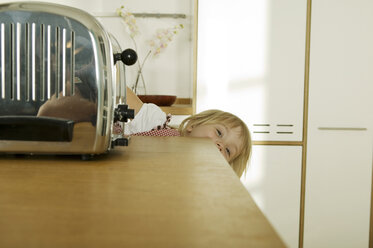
157 192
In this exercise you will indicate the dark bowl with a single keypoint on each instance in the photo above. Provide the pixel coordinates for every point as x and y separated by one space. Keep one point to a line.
159 100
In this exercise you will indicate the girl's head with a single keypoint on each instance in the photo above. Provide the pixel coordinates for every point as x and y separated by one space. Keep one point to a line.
230 134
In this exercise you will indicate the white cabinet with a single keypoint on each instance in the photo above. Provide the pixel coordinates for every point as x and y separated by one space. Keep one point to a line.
339 150
341 63
338 189
273 180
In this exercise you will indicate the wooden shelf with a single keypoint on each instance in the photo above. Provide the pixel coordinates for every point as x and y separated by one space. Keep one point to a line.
182 106
178 109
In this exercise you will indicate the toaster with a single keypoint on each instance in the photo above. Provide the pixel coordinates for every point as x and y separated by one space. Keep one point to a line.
62 81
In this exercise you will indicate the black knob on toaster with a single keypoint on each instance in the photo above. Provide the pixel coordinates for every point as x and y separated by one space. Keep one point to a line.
128 57
123 113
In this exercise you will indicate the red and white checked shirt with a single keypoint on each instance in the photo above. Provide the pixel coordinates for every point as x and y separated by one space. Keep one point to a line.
161 130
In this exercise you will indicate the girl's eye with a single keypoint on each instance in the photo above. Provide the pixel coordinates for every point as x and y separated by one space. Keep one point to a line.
228 152
218 132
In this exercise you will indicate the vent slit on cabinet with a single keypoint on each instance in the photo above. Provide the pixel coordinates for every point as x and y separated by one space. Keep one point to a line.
261 125
285 125
260 131
343 128
284 132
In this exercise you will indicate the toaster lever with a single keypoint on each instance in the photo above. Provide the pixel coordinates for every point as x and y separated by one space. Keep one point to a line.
119 142
123 113
128 57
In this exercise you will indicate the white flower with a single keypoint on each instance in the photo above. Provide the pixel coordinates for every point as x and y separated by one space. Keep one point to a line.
130 21
162 38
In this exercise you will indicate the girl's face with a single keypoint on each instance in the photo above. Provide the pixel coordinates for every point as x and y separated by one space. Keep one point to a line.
227 140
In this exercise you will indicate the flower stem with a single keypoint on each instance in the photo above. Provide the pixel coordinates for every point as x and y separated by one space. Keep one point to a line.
139 74
140 66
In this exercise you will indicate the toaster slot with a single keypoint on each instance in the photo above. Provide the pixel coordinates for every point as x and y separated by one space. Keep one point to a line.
32 128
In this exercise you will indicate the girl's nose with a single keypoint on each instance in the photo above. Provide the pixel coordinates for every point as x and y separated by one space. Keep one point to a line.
219 145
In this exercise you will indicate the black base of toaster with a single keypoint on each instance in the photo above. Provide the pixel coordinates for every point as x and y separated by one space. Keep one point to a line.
32 128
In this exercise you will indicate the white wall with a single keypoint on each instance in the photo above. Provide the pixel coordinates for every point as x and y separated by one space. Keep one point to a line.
170 73
251 63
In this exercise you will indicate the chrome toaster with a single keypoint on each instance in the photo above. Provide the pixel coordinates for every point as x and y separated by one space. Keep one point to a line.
55 61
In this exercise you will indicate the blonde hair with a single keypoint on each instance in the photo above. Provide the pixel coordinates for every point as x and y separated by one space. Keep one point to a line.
239 164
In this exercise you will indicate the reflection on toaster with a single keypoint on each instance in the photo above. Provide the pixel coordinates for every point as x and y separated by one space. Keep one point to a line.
59 81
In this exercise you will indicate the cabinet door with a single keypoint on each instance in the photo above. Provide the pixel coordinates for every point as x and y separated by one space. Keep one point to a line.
341 62
339 150
251 63
338 185
273 180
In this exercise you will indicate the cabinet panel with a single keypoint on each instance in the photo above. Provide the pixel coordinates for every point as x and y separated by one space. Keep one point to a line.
339 150
273 179
341 62
338 185
251 63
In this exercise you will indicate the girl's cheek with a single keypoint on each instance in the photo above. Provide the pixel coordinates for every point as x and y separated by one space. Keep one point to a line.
212 135
225 156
